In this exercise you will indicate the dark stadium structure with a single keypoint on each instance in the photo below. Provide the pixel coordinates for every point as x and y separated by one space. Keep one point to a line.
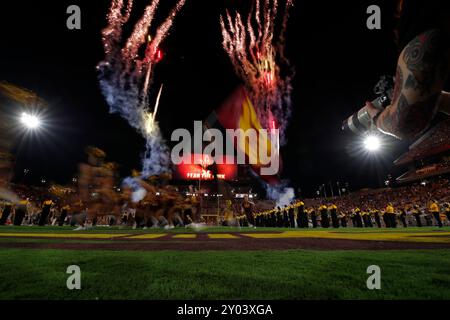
429 156
215 191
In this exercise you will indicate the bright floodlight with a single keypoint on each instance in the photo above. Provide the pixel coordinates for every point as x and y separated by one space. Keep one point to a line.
30 121
372 143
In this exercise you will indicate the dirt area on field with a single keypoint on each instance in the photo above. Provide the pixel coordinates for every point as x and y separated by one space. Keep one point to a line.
202 242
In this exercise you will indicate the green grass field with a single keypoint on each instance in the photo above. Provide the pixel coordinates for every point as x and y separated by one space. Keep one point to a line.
40 274
259 274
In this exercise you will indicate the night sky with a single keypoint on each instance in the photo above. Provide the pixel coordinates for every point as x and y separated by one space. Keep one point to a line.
336 58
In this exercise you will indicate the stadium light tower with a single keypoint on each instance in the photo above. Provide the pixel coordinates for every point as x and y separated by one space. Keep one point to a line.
30 121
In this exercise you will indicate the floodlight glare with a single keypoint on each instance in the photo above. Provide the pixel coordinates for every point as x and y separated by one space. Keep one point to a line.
372 143
30 121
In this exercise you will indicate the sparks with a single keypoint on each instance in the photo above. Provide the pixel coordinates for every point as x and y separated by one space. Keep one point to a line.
126 76
258 58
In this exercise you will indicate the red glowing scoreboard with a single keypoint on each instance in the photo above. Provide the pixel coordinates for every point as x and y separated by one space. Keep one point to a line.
205 169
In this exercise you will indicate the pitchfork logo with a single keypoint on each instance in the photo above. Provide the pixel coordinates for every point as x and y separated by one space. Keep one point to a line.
258 148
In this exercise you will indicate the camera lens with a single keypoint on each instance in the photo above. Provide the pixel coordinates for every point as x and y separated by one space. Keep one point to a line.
358 123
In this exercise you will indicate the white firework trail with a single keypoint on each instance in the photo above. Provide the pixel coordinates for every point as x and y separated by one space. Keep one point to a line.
125 77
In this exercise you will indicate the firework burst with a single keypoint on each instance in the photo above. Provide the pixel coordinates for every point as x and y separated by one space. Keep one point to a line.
126 76
259 60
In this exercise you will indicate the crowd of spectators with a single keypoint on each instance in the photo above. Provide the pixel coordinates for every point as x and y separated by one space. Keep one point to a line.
58 207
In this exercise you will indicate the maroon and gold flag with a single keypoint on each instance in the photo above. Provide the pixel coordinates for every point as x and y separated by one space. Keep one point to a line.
237 112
